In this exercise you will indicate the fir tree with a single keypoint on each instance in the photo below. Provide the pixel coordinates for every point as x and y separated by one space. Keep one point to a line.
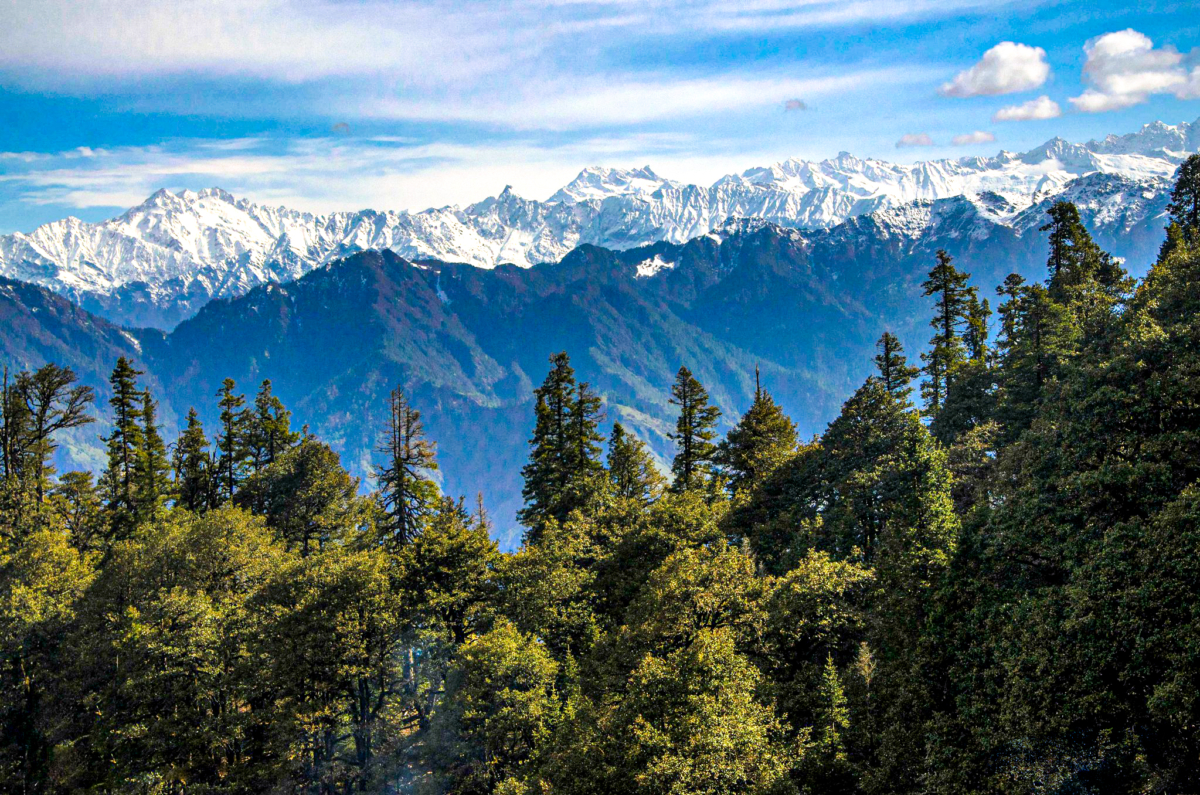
630 468
763 438
151 468
694 431
895 373
268 431
406 490
193 467
124 446
231 443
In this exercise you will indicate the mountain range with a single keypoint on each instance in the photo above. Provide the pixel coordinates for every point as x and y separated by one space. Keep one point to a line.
158 263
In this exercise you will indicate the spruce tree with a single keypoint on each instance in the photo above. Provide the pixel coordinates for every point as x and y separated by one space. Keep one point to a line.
406 491
124 446
151 474
231 444
193 467
269 431
895 373
694 431
586 411
630 468
763 438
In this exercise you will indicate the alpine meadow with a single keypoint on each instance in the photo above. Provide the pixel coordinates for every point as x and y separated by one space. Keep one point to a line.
853 474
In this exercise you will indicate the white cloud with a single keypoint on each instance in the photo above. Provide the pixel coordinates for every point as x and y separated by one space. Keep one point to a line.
977 137
1004 69
1124 69
1041 108
914 139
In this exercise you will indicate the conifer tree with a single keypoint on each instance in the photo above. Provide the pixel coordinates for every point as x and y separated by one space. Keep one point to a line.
1083 277
895 373
564 468
694 431
1184 209
33 410
151 468
630 468
231 443
585 413
953 296
834 716
763 438
193 467
1035 339
269 431
406 490
976 336
124 446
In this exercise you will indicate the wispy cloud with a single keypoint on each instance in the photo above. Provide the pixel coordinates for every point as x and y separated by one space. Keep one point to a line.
910 140
972 138
1041 108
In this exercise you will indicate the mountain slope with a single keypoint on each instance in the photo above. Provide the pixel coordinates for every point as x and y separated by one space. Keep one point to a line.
159 262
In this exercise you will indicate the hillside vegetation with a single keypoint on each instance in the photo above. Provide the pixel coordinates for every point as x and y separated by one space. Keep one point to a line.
979 579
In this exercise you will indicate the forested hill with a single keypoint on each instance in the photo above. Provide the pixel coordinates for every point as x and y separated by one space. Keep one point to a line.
981 578
804 308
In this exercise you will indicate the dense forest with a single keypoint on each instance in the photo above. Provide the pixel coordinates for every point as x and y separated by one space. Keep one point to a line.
981 578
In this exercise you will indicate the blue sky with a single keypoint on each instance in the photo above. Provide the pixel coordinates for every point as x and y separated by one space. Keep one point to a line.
337 104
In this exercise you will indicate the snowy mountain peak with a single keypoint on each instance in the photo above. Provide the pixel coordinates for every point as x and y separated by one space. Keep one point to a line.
599 183
160 261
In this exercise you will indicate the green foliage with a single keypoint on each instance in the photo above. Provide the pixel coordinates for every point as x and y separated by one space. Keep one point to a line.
1001 602
894 371
694 433
406 492
761 441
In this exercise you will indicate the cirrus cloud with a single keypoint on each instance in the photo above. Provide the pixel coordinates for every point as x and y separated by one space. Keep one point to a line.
1041 108
1004 69
1125 68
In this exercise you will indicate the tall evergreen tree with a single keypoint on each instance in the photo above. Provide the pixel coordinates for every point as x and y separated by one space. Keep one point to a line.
234 454
763 438
152 469
193 467
406 490
895 373
630 468
694 431
953 296
1083 277
564 469
125 444
268 428
1184 208
33 410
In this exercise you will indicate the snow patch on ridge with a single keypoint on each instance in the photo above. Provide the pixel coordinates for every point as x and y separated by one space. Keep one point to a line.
653 266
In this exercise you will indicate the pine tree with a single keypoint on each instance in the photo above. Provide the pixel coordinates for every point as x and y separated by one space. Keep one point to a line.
231 443
976 336
1036 338
193 467
406 490
124 446
954 298
268 431
694 431
763 438
630 468
895 373
1083 277
151 473
834 717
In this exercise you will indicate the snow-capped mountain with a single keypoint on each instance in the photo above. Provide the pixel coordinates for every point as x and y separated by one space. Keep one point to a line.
160 261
